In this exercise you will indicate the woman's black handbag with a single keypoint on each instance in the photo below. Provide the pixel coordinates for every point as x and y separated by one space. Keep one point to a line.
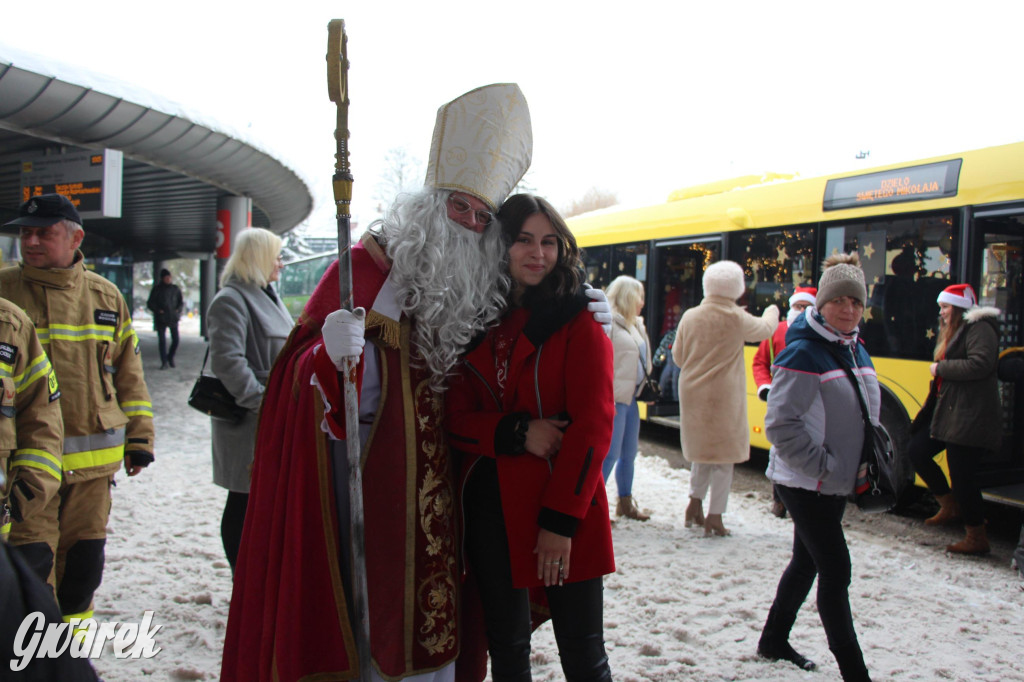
210 397
650 391
875 489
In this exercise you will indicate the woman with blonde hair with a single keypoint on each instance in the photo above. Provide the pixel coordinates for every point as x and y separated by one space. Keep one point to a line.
632 364
248 325
961 414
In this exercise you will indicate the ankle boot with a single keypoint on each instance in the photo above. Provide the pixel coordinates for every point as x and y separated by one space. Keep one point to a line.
774 642
627 507
851 663
949 511
713 526
976 542
694 513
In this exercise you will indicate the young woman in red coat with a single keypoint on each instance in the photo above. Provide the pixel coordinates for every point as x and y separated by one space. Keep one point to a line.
531 410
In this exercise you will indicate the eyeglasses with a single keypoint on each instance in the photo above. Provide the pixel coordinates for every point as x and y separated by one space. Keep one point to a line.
462 207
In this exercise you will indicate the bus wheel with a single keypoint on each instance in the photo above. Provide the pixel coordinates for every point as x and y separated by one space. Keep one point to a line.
895 421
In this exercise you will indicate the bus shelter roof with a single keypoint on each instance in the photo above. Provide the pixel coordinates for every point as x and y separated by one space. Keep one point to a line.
174 167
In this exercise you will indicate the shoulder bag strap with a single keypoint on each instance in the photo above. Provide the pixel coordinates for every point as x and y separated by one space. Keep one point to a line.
856 384
205 358
643 360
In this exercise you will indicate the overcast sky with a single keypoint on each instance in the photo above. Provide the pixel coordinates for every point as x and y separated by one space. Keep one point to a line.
636 98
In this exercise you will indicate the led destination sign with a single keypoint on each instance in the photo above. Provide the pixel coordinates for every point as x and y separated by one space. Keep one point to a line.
914 183
91 180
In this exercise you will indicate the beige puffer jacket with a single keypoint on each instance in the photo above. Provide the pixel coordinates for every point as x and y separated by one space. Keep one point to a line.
627 341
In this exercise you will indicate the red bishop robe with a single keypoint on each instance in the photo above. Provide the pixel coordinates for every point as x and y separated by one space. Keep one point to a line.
289 617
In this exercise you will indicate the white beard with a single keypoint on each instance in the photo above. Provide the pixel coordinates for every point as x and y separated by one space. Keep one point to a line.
449 279
793 314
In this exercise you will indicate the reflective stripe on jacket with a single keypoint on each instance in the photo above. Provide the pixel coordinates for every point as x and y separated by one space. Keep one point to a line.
86 329
31 430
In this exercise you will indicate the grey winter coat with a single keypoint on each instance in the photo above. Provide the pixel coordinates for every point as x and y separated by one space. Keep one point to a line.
247 330
967 409
814 419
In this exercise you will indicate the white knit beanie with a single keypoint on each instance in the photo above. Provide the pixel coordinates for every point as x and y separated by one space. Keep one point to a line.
841 276
724 278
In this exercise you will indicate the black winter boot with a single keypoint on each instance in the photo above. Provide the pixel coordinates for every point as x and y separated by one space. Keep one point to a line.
851 663
774 642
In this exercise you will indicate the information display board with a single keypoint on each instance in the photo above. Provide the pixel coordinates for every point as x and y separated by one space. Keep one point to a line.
913 183
91 180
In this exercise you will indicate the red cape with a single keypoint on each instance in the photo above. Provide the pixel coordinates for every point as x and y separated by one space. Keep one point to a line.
288 618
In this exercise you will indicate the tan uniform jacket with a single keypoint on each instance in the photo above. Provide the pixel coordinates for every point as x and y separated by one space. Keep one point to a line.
31 431
86 329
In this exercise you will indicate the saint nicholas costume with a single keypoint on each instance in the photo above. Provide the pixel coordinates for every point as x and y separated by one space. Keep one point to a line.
290 617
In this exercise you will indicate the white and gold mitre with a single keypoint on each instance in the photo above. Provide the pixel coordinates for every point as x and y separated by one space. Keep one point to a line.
482 143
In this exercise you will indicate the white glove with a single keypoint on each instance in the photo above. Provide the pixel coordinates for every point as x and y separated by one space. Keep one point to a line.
343 335
599 306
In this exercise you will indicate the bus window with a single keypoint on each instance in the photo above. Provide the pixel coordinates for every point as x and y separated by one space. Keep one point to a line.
774 262
597 262
630 259
603 264
677 283
907 261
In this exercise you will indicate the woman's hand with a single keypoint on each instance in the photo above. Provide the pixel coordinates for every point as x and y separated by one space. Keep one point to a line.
544 437
933 367
552 552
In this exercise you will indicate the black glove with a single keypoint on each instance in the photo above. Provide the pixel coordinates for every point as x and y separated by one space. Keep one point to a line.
140 458
762 393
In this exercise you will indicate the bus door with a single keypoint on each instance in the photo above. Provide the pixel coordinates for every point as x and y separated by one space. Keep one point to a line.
997 265
676 286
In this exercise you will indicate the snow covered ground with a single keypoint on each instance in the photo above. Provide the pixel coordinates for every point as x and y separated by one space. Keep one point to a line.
680 607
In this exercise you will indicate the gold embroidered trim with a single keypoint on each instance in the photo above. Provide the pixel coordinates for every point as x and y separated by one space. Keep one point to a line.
390 330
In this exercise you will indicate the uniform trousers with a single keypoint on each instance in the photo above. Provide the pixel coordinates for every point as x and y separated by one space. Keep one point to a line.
64 544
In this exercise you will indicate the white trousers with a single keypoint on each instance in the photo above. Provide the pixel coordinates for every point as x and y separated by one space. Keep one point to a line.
716 476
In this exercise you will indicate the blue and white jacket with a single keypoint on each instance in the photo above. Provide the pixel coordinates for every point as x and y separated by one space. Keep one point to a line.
814 419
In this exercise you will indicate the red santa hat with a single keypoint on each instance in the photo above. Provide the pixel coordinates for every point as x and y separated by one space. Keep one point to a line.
960 295
803 295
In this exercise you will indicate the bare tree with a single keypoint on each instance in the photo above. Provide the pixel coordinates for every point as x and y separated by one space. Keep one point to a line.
594 199
403 172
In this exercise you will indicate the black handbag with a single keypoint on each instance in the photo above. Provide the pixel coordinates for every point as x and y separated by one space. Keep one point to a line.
875 489
650 391
210 397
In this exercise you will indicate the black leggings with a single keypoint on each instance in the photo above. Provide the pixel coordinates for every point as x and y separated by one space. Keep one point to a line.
962 461
819 549
576 608
231 524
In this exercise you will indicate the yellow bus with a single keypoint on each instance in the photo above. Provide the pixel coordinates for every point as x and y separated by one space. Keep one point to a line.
918 226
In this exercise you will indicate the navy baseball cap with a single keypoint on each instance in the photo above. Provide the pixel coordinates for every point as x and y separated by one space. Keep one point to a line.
45 210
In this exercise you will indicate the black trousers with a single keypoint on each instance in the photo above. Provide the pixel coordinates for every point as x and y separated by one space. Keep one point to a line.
577 609
231 525
819 549
165 354
962 461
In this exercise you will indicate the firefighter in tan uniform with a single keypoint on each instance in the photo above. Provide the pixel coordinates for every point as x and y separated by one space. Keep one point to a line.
85 327
31 431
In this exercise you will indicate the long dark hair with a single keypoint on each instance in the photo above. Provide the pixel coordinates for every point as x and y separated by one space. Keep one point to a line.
565 279
947 331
